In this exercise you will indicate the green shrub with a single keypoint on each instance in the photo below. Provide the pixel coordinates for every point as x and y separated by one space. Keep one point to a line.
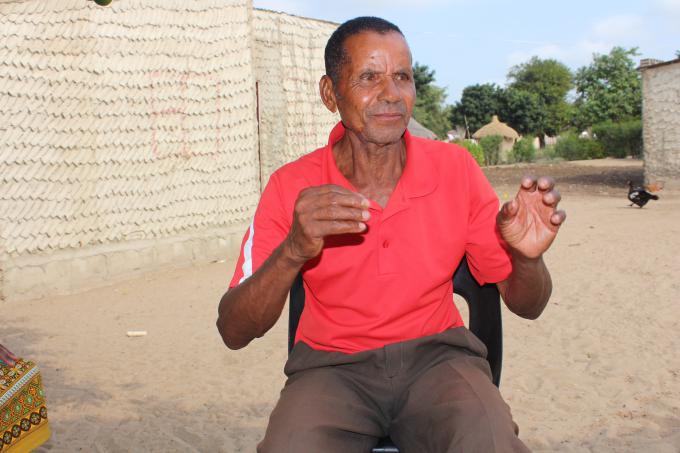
620 139
548 153
523 150
571 147
491 146
474 149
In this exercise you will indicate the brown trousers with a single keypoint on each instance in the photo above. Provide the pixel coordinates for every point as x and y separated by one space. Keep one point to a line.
430 395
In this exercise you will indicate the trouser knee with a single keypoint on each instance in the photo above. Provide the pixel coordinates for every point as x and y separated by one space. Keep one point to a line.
491 430
314 439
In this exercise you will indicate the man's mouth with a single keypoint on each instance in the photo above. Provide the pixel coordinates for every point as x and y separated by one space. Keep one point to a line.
388 115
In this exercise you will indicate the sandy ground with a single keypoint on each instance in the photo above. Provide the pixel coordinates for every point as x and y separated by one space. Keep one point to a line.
598 372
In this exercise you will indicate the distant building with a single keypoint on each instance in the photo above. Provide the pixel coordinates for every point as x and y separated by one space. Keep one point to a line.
456 134
496 127
550 141
661 121
417 129
123 153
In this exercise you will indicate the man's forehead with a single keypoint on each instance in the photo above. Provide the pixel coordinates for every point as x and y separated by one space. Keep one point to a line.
369 43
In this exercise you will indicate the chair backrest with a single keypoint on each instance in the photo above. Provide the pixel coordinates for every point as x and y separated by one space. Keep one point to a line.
484 310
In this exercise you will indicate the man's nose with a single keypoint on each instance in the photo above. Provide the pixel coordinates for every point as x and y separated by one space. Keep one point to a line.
389 90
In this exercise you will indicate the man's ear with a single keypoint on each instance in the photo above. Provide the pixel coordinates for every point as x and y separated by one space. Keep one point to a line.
327 92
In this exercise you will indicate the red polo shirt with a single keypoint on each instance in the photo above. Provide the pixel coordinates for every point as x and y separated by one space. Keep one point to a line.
392 283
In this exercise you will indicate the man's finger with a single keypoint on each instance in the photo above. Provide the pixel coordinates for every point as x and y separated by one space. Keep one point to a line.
528 182
333 227
331 191
335 212
545 183
509 209
335 189
552 198
351 199
558 218
330 206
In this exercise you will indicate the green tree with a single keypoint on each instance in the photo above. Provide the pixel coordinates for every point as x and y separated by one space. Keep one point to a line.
422 76
549 81
609 89
521 110
430 110
621 138
478 103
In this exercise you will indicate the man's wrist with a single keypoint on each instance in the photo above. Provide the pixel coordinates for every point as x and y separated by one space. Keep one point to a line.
290 258
520 258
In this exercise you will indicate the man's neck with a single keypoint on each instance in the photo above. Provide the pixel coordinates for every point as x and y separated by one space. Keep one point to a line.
373 169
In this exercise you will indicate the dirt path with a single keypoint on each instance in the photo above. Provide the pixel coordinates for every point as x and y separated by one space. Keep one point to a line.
606 177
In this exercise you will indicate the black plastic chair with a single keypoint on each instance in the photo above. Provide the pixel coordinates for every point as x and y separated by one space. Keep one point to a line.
484 321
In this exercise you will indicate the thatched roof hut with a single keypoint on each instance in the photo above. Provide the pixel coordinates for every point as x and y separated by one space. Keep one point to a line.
495 127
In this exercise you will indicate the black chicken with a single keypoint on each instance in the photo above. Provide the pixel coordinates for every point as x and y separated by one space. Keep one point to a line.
639 196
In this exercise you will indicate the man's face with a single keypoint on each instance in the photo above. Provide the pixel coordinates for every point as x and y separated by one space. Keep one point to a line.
375 92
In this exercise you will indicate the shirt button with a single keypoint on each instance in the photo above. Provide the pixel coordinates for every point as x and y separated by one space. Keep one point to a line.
386 243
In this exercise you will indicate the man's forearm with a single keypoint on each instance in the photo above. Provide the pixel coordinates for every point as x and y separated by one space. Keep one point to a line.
527 291
250 309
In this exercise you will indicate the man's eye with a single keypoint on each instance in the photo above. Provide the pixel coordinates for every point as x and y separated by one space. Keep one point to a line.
403 76
368 76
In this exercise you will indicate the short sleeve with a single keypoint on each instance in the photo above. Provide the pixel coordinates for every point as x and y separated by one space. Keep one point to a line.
269 228
485 250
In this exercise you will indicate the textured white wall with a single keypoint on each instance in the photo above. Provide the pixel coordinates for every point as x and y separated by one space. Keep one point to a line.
122 125
288 63
661 123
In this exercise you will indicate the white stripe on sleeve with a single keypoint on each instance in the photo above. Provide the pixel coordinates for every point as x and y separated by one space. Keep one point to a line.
247 267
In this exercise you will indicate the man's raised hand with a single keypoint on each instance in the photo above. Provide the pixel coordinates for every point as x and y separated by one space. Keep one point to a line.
529 222
324 211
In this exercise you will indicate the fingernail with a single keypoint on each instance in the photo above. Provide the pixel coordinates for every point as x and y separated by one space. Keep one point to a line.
365 215
362 226
365 203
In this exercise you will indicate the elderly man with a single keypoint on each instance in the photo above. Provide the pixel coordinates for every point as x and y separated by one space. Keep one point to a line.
377 222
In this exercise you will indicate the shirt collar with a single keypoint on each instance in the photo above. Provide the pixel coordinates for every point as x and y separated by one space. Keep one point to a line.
418 179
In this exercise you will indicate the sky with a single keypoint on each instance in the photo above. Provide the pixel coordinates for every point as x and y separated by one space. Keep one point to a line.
477 41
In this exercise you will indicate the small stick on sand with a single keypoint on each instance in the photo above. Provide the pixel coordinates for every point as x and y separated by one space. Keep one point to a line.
136 333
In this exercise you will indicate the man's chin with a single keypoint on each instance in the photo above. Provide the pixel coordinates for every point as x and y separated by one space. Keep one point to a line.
384 135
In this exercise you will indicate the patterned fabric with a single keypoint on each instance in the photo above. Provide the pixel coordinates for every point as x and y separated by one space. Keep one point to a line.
23 415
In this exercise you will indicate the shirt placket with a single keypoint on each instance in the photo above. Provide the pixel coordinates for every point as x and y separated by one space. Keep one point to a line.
388 241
